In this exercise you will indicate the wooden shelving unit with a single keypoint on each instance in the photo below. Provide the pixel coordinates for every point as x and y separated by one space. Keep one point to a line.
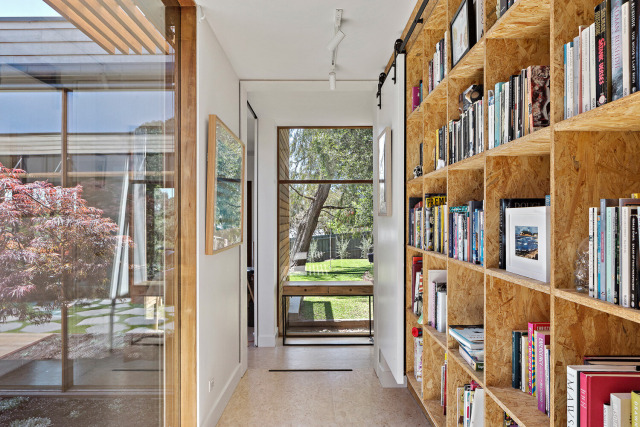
577 161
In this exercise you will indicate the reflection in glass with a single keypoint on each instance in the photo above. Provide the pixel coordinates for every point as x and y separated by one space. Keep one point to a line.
87 214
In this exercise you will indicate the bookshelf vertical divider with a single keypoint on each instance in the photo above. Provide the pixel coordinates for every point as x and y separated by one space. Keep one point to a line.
577 161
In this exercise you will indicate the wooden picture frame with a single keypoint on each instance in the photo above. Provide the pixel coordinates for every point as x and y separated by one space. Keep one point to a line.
462 32
528 247
225 188
383 172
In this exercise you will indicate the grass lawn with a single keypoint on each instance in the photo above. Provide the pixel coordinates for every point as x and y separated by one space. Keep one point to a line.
334 271
335 308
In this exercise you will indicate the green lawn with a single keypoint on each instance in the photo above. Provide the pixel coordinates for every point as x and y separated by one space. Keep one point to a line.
334 271
335 308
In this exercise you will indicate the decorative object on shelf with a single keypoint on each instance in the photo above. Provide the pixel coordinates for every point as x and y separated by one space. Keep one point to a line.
384 172
462 32
417 171
528 249
225 188
581 271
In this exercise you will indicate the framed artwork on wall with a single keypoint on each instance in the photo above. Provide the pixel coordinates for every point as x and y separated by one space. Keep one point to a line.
225 188
528 242
383 172
462 31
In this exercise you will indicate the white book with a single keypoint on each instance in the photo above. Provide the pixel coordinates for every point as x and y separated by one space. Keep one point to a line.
442 311
481 126
607 416
524 363
592 64
506 113
492 118
477 409
586 84
547 377
446 49
565 56
570 62
573 387
592 219
625 255
626 50
621 408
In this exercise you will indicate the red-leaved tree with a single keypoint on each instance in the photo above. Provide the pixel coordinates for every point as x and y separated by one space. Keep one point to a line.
53 247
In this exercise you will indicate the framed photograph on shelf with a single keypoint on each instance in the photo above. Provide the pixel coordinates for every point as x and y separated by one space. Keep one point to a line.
462 31
528 248
383 172
225 188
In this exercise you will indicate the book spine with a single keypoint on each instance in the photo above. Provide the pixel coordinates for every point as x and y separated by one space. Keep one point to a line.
616 49
505 112
572 395
584 403
577 73
570 77
607 15
601 56
512 106
592 220
547 378
633 48
633 264
531 376
635 408
502 255
524 361
609 255
625 253
600 254
616 255
516 337
626 49
584 73
540 371
592 66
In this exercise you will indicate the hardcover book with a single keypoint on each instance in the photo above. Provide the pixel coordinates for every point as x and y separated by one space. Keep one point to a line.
504 205
534 326
616 50
539 93
595 390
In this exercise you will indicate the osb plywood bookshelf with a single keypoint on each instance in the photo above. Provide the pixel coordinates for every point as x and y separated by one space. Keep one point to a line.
577 161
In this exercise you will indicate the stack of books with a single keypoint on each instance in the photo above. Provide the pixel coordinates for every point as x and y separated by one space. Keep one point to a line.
502 6
466 135
604 391
427 223
438 65
530 362
416 286
437 300
601 63
471 340
520 106
470 400
614 248
466 232
440 152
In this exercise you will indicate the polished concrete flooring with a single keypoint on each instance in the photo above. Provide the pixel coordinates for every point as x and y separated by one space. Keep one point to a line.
317 398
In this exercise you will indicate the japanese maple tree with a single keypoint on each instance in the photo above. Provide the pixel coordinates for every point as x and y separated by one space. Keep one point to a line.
53 247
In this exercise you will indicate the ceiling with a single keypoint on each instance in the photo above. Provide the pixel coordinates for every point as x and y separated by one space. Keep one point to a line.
286 40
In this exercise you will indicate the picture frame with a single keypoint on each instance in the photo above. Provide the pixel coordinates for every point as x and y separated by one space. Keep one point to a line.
383 172
225 188
462 31
528 242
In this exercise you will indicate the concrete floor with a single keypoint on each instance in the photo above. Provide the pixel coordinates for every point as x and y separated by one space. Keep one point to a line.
317 398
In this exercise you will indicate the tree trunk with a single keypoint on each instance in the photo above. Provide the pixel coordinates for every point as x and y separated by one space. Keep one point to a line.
308 225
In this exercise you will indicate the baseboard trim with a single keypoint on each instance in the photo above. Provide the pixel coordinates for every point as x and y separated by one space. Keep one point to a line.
268 340
217 409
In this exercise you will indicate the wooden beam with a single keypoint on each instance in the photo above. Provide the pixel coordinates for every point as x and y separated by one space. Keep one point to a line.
108 18
134 28
70 15
188 208
158 36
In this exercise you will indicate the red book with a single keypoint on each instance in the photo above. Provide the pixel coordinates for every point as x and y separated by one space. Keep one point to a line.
542 338
416 97
534 326
595 389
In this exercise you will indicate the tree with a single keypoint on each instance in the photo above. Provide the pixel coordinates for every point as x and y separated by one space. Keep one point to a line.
329 154
50 240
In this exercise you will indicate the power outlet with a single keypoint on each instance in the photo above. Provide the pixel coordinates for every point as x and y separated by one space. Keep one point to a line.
211 384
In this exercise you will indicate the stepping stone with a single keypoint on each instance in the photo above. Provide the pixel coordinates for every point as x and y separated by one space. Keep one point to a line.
136 321
104 329
138 311
93 313
104 320
4 327
45 327
144 331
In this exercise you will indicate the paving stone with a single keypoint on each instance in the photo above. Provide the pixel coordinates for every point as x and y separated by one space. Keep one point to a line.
144 331
104 329
138 311
45 327
103 320
10 326
135 321
93 313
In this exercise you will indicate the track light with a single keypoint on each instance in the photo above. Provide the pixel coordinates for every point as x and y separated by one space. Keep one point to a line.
335 41
332 80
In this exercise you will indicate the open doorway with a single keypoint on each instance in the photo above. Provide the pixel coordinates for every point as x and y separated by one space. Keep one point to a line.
252 301
325 223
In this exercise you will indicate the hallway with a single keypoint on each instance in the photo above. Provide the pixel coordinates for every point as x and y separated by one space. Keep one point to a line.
317 398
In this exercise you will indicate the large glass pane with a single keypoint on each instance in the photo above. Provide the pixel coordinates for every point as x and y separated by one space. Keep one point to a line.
87 211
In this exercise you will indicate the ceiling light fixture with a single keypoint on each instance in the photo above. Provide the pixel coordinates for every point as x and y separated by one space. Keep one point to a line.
335 41
332 80
332 47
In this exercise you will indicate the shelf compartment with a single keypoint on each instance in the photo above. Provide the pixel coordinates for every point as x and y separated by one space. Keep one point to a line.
536 143
411 316
434 409
596 304
437 174
416 115
465 264
415 181
620 115
517 279
471 163
526 19
522 407
439 337
477 376
471 65
438 94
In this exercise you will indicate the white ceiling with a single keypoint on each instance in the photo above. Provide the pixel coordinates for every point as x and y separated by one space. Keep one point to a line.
287 39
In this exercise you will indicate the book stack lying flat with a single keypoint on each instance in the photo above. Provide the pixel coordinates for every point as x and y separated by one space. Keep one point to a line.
471 340
470 405
604 391
601 63
614 248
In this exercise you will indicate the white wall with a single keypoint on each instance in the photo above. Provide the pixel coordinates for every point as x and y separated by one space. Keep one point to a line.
389 241
291 104
222 354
